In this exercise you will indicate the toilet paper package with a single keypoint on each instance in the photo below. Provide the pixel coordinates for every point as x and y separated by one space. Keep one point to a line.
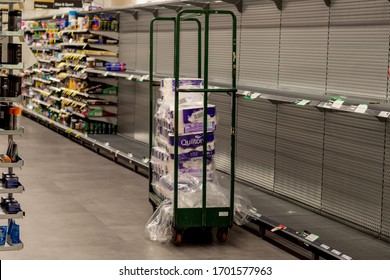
167 89
168 84
191 119
163 164
159 161
193 167
189 145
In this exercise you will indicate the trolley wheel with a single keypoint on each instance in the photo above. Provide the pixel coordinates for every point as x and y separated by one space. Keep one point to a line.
178 237
222 234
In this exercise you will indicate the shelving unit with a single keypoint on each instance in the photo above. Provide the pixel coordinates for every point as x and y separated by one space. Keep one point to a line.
9 192
60 83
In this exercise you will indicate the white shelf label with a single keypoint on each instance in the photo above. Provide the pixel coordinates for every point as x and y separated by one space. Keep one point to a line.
362 108
384 114
303 102
326 247
250 95
337 104
255 95
328 105
312 237
334 251
130 77
346 257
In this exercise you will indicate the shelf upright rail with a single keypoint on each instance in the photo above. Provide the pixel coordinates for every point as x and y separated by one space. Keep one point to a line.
153 198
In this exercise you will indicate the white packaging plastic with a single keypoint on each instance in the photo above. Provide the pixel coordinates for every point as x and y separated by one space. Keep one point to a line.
159 226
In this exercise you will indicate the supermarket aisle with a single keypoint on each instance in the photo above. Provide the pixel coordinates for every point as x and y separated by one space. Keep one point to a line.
80 205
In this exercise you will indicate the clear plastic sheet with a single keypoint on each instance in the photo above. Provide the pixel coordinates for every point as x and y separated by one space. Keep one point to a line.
243 210
159 226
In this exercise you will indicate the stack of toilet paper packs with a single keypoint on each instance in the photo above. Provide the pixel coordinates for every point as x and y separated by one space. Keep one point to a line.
190 147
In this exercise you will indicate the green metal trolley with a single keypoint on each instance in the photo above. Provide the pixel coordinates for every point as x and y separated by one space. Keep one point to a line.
203 217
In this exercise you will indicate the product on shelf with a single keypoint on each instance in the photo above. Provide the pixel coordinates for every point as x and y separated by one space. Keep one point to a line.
10 205
12 151
60 89
13 232
10 181
9 117
14 20
3 235
116 66
14 53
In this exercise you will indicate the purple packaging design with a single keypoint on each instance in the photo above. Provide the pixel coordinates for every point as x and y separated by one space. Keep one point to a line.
190 145
169 83
191 119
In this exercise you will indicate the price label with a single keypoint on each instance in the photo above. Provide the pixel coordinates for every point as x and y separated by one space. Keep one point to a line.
130 77
250 95
337 104
247 93
362 108
334 251
384 114
303 102
255 95
106 74
346 257
326 247
312 237
279 227
328 105
142 78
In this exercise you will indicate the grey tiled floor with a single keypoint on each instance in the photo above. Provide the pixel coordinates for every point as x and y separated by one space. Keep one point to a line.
80 205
